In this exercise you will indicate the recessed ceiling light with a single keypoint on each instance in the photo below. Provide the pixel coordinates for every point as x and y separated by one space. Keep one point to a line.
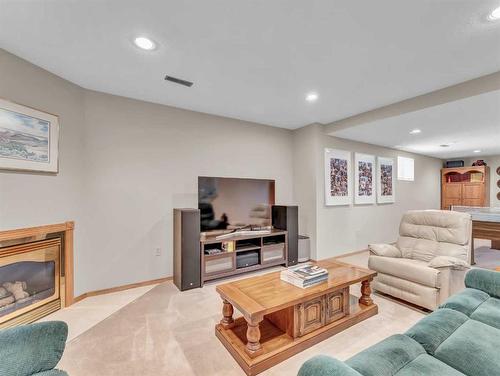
312 97
477 151
415 131
144 43
495 15
444 145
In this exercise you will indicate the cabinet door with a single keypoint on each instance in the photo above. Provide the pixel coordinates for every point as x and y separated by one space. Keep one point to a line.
310 316
337 305
452 195
472 191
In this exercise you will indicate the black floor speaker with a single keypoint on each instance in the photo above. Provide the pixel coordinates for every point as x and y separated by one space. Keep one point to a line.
287 218
187 256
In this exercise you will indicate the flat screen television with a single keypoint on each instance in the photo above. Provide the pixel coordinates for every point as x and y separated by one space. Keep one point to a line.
232 203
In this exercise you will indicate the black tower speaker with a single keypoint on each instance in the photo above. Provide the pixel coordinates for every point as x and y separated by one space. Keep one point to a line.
187 256
287 218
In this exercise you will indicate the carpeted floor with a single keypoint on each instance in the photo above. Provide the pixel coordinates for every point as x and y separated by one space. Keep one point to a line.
166 332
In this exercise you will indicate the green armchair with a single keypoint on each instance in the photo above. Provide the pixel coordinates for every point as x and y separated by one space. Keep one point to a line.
33 349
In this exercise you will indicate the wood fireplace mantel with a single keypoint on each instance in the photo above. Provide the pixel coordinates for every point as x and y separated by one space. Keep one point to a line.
30 234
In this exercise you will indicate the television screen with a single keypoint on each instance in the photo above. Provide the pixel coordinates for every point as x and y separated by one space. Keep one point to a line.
232 203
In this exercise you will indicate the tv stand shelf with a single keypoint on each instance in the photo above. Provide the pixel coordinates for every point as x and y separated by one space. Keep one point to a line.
264 250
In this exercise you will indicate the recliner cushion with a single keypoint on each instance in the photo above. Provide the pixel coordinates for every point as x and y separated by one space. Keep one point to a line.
425 234
386 357
488 313
473 349
411 270
466 301
429 366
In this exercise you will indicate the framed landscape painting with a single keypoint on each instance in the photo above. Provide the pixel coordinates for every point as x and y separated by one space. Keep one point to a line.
337 177
29 139
364 179
386 182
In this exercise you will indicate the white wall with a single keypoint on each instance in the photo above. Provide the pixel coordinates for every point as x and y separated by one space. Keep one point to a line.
493 161
342 229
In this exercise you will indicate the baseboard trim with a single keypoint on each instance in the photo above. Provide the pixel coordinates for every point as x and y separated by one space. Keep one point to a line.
353 253
120 288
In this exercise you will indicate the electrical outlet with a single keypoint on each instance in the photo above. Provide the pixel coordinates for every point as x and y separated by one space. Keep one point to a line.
157 251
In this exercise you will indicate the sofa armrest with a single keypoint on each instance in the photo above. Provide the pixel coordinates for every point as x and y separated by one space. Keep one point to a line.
385 250
323 365
484 280
29 349
448 262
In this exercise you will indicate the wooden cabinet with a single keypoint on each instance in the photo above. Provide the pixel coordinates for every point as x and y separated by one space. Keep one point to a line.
310 315
337 305
321 311
465 186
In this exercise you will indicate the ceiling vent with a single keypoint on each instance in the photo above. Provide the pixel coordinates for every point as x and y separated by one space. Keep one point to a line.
176 80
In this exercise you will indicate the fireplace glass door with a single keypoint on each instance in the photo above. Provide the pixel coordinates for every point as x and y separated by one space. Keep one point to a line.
29 277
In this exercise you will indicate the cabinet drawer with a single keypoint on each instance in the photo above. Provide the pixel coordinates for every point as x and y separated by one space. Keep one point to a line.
219 264
273 252
309 316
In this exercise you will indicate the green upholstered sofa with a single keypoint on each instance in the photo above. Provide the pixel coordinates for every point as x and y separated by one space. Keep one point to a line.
33 349
462 337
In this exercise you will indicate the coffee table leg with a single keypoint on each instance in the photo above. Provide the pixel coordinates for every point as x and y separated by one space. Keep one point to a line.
227 313
365 294
253 347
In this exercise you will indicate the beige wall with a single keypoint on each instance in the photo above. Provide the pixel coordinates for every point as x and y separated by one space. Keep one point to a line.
341 229
143 160
493 161
125 164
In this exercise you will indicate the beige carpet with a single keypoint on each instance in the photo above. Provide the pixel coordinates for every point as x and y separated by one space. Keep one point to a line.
166 332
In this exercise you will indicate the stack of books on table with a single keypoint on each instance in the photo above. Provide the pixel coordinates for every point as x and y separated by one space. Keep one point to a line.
305 275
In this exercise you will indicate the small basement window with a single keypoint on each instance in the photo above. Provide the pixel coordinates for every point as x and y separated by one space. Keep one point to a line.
406 169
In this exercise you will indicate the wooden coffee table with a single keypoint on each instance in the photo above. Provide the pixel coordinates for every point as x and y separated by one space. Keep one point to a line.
280 320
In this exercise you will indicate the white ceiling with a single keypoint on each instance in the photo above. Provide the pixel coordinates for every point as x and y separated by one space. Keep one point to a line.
466 125
256 60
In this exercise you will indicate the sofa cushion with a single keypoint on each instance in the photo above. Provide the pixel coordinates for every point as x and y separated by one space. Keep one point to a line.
466 301
472 349
411 270
484 280
386 357
488 313
429 366
434 329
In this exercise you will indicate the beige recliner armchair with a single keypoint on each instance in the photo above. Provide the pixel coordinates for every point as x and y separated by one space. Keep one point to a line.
428 262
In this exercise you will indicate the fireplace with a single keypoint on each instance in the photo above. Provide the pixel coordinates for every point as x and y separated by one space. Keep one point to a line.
34 270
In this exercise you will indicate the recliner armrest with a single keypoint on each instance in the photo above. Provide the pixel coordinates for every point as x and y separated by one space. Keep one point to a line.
326 366
484 280
448 262
385 250
33 348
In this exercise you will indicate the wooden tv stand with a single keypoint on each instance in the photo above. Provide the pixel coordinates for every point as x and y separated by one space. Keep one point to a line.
270 249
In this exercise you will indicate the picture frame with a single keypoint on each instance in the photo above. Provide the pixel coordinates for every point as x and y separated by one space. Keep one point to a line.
386 182
365 180
29 139
338 190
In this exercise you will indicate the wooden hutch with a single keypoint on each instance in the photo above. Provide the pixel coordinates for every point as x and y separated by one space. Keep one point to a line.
465 186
